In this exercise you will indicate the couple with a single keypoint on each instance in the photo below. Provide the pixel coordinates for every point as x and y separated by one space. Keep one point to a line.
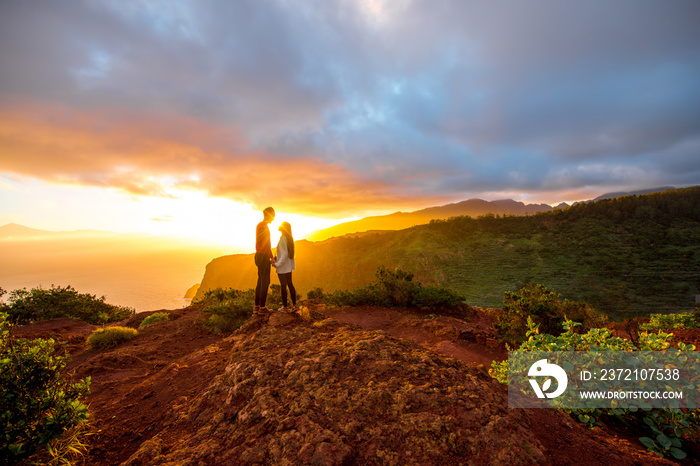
284 262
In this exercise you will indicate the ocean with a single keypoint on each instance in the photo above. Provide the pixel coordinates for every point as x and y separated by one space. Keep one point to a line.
146 276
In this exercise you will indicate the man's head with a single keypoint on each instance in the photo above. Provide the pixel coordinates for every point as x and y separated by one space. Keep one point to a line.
269 214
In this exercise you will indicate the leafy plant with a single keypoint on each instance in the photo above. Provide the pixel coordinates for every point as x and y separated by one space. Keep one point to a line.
155 317
395 288
226 310
37 403
667 426
686 320
25 306
107 337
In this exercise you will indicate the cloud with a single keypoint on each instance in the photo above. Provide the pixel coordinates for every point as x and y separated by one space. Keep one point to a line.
153 154
350 104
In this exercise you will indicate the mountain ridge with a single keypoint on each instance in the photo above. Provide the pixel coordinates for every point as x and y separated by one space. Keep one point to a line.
474 207
400 220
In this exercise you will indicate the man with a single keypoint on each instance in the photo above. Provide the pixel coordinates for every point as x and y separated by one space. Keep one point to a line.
263 260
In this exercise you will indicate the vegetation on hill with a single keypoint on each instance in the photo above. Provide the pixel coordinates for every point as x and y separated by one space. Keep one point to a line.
225 310
38 405
25 306
395 288
625 256
535 303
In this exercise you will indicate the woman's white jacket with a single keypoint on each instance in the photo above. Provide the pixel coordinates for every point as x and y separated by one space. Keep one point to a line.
284 263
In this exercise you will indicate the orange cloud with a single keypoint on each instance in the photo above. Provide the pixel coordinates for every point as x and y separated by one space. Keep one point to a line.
145 154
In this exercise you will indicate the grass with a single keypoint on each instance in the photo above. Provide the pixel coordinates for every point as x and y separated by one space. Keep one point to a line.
155 317
108 337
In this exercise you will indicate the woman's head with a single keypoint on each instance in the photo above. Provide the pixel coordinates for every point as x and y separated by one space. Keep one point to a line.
286 229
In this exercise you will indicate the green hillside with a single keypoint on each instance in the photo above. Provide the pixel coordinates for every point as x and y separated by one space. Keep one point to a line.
625 256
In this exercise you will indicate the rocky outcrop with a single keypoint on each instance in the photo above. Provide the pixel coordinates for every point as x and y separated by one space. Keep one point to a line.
322 392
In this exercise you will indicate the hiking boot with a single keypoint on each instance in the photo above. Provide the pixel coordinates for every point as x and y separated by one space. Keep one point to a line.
283 310
263 310
256 309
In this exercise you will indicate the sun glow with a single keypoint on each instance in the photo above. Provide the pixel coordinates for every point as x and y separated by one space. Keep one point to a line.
188 214
218 221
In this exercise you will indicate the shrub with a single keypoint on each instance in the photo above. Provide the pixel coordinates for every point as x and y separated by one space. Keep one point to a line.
686 320
37 404
316 293
107 337
667 426
395 289
39 304
274 296
226 309
546 310
155 317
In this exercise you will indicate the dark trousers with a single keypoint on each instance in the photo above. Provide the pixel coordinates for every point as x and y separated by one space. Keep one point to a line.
263 264
286 282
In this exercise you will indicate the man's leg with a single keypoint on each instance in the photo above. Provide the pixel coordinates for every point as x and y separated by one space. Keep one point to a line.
263 279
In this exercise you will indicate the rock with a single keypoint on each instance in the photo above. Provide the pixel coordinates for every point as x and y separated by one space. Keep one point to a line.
329 393
492 343
279 319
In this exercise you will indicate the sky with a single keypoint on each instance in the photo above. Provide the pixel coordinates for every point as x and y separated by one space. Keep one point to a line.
189 117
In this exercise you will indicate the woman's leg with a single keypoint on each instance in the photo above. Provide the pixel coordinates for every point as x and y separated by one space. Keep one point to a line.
292 290
283 286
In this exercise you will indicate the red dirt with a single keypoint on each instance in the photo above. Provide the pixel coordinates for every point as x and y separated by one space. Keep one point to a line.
137 385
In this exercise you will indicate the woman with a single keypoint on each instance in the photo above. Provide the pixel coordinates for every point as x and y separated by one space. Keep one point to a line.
285 264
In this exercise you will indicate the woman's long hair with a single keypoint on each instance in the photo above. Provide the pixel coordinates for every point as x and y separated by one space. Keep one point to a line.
286 230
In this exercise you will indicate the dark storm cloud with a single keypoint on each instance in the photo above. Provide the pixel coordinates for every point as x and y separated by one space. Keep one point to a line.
417 99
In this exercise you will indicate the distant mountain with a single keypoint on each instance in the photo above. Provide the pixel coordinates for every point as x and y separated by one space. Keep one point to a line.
401 220
13 229
16 231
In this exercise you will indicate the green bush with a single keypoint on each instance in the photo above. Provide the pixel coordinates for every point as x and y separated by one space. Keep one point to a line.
107 337
686 320
25 306
227 309
395 289
667 426
155 317
37 404
546 310
316 293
